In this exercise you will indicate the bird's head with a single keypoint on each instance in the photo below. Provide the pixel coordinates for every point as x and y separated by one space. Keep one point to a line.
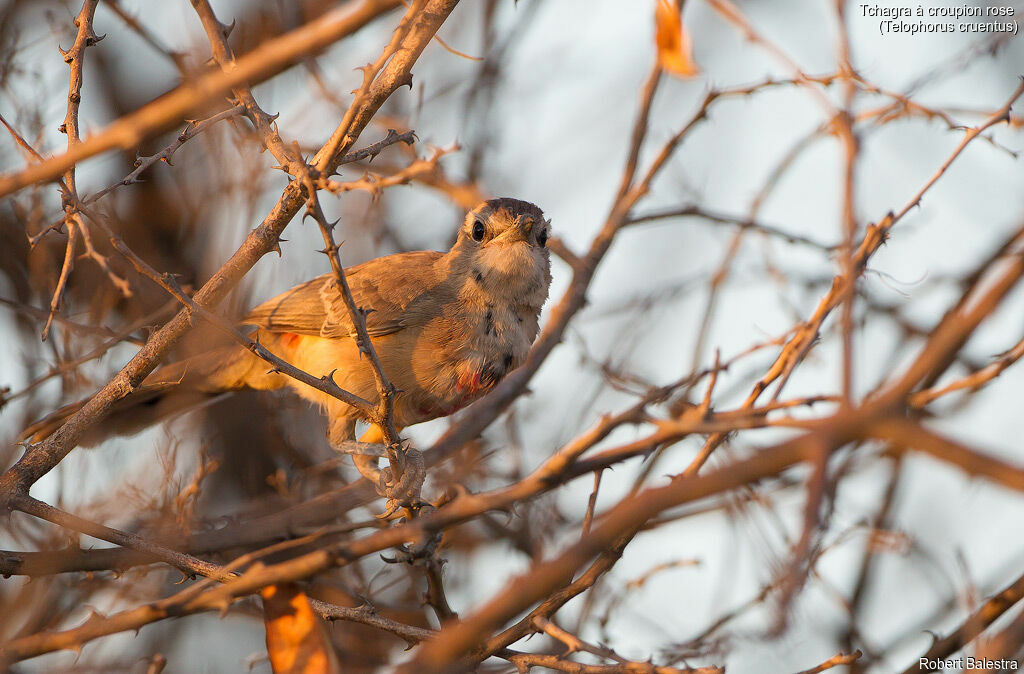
505 242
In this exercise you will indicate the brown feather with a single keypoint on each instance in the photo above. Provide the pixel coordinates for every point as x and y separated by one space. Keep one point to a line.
447 327
394 290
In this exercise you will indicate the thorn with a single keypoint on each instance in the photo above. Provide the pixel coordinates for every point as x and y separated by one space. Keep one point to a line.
94 39
65 53
227 29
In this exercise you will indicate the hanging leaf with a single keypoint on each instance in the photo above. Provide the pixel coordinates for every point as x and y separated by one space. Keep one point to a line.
675 50
297 641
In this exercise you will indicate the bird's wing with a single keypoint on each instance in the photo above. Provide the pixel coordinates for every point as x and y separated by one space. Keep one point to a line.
387 287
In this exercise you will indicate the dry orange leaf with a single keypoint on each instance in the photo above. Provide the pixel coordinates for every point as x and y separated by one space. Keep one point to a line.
297 640
675 50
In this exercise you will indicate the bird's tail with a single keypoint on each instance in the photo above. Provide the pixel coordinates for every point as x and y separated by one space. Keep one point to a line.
167 392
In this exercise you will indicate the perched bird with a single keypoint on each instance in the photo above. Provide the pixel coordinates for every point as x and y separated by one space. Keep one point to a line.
446 326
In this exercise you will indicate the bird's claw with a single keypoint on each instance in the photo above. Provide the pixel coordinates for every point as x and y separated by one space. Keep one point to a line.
405 492
401 493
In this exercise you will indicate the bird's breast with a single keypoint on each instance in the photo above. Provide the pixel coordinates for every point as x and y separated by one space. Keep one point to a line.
474 351
499 340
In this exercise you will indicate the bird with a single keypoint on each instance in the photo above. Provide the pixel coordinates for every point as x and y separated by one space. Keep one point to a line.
447 328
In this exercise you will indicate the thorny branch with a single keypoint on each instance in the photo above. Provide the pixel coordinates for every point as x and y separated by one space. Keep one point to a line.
824 437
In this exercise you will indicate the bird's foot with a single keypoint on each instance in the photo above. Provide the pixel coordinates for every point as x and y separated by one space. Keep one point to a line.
403 493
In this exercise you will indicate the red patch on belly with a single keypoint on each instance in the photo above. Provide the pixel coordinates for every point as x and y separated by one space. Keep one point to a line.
469 386
290 340
427 412
470 383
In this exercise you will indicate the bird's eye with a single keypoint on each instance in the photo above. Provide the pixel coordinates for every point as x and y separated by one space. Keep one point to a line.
542 238
478 231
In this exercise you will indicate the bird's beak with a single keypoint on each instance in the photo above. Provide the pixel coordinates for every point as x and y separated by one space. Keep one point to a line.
518 233
521 232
